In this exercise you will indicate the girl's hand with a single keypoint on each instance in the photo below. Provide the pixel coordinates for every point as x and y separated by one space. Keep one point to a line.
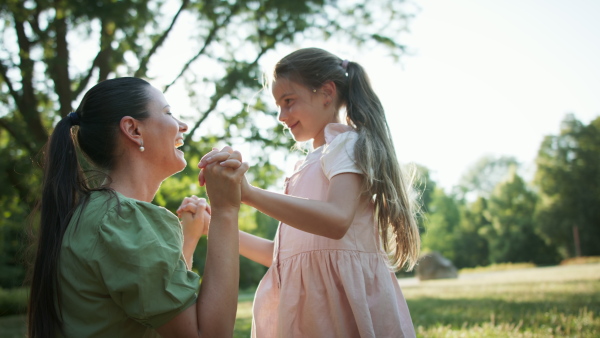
194 213
224 178
222 156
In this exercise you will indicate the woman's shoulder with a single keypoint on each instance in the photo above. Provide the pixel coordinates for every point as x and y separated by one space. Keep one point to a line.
114 212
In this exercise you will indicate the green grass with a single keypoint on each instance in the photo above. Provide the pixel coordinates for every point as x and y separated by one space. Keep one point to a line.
560 301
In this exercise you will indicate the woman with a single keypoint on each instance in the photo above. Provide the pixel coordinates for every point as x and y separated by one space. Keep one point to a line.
111 264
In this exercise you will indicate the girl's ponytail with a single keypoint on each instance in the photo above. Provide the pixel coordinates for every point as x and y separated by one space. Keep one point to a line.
376 156
62 188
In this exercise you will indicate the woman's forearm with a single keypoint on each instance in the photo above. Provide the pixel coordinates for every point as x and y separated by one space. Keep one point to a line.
218 296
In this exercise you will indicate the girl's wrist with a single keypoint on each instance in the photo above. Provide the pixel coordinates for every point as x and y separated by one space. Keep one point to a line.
248 196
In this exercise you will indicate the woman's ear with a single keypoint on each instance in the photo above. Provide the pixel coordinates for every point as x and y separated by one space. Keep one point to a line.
130 128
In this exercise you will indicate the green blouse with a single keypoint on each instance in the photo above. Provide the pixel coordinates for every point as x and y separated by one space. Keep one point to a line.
121 269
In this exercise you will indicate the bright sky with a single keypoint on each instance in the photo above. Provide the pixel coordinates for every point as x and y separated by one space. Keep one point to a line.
490 77
485 78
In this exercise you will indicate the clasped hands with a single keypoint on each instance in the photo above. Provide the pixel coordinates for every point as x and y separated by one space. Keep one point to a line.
222 171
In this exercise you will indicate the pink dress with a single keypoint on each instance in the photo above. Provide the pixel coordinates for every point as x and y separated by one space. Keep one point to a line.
321 287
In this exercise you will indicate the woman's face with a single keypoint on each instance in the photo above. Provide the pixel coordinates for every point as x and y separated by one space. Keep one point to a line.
162 135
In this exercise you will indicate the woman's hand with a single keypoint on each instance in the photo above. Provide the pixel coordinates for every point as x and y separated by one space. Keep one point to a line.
224 158
223 174
194 213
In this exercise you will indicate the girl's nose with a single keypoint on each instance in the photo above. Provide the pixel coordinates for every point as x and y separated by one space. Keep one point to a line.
281 115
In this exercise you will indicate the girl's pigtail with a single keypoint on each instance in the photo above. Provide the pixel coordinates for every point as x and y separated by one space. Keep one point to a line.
61 190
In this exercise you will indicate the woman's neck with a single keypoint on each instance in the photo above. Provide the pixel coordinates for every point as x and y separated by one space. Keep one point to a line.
135 181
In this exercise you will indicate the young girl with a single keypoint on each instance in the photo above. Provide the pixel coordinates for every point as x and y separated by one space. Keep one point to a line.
346 217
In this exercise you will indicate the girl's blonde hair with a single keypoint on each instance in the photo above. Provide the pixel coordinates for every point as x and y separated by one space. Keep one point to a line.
374 150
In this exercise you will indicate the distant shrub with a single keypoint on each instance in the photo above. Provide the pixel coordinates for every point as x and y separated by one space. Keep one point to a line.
497 267
13 301
581 260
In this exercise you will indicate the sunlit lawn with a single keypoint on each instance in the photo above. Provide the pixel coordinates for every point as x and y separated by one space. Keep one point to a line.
562 301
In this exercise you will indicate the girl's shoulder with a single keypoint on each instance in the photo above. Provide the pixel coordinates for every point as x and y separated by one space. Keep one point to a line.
338 131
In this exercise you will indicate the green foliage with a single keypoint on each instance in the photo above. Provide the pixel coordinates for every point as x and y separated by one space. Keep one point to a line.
482 177
511 234
472 249
441 223
568 178
40 82
13 301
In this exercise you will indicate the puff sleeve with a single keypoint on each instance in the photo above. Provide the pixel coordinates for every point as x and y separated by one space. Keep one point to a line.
338 156
139 258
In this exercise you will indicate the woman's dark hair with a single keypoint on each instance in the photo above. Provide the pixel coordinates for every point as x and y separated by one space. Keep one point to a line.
374 150
93 127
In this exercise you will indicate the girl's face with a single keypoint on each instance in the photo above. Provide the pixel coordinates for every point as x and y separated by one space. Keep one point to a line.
303 111
163 134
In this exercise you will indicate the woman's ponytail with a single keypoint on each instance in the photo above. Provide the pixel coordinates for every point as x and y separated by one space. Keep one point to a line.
62 188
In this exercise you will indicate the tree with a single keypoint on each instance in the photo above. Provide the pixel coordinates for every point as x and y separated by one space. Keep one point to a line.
483 176
471 247
568 177
441 224
40 81
511 235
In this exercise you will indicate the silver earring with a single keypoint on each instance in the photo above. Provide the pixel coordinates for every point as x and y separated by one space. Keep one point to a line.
142 147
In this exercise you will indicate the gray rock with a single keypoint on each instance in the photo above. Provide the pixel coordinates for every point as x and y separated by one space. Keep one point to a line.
435 266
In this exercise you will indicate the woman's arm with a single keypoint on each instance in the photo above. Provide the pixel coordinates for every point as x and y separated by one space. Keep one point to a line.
213 315
256 248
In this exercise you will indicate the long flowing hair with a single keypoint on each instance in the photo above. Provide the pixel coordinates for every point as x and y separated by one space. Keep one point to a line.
395 204
94 131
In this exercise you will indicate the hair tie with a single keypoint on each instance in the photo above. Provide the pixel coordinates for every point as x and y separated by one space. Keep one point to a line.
74 118
345 64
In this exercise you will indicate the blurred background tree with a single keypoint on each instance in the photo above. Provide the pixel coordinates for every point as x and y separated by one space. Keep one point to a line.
568 177
40 82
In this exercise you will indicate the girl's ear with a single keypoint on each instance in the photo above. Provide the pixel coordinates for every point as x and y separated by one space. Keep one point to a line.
329 91
130 128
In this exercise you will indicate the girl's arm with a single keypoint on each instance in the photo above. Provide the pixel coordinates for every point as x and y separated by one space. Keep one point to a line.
256 248
330 218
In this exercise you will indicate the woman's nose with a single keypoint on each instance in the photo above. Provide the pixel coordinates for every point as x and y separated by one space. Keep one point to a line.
183 127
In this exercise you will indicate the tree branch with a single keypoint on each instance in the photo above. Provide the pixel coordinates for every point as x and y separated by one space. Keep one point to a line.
223 89
15 95
84 82
20 138
144 62
59 65
207 41
28 101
